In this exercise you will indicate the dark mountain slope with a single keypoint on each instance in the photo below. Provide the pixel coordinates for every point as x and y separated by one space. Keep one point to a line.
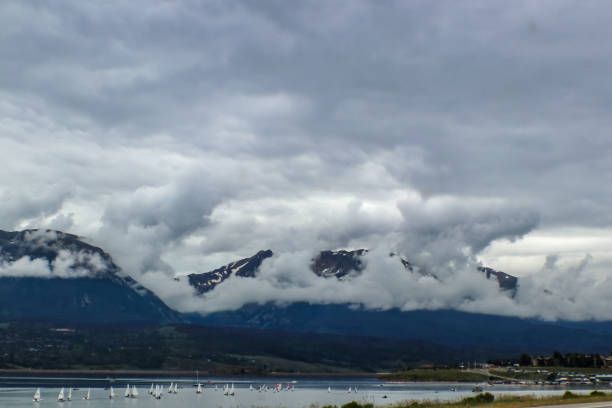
89 288
447 327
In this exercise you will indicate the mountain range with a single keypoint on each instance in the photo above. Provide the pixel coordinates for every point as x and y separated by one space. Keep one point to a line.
338 264
55 276
73 282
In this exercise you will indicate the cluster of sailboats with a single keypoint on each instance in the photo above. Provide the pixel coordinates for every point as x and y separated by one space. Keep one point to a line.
157 391
62 396
130 392
227 390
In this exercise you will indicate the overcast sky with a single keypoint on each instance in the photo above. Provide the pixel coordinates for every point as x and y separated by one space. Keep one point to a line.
183 135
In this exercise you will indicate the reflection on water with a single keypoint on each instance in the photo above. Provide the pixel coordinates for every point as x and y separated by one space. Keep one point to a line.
18 392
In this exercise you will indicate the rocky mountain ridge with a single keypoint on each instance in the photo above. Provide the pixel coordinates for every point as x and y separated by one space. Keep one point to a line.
327 264
78 283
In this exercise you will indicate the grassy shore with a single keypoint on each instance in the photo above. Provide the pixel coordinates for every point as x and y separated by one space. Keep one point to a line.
487 400
506 401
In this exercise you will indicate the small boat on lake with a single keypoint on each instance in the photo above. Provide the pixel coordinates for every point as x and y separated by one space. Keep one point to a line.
36 397
60 396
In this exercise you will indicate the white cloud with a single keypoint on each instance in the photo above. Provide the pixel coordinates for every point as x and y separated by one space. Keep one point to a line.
66 265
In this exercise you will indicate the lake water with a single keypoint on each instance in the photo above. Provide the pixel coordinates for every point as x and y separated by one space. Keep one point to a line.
18 392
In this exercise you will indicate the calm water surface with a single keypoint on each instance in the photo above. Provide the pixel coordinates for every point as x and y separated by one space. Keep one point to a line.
18 392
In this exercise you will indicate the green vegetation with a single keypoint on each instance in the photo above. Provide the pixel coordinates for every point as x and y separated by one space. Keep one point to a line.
482 398
530 374
435 374
504 401
212 350
569 395
352 404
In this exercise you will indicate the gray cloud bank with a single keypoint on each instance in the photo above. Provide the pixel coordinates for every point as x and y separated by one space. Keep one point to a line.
180 136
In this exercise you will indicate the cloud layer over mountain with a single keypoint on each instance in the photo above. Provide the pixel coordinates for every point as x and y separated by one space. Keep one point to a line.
180 136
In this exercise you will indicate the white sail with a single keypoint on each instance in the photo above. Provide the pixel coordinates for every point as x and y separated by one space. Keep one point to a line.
176 388
226 390
60 396
251 387
231 392
151 390
157 393
349 390
36 395
111 393
70 394
86 397
329 389
170 390
127 391
134 393
199 390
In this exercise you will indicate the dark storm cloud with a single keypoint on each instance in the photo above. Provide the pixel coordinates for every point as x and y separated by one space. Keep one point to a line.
182 135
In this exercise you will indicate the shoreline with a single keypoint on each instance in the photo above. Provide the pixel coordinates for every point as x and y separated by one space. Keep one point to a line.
100 373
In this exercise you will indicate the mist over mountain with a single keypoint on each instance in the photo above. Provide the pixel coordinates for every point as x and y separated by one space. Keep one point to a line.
340 264
51 275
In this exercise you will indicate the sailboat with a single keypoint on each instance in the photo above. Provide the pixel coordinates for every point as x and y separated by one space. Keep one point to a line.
36 395
111 393
250 387
349 390
170 389
226 390
329 389
199 390
126 394
157 393
60 396
355 389
70 394
151 390
231 391
134 393
176 388
88 396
